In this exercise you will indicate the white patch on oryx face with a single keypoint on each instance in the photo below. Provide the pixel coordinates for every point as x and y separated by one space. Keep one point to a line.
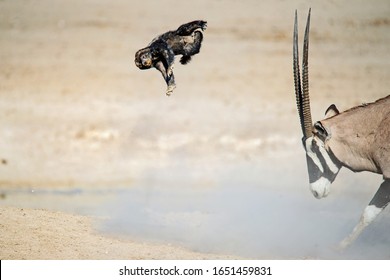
320 188
322 170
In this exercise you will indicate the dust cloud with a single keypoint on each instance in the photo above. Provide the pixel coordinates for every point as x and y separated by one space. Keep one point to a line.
246 212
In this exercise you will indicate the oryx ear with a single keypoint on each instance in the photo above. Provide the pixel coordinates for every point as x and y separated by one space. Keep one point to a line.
331 111
320 131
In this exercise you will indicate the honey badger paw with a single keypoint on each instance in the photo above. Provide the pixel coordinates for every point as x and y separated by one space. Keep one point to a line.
170 90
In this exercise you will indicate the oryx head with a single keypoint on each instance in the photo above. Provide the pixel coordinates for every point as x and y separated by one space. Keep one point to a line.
322 165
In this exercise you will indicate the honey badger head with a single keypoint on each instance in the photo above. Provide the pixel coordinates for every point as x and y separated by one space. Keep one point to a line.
143 59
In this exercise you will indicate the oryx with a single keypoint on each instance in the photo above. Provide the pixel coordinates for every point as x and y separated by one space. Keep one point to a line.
358 139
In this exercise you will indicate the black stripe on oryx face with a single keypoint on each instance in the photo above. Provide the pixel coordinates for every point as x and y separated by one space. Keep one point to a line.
315 171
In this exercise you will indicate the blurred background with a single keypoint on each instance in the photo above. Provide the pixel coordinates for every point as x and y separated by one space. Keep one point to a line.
216 167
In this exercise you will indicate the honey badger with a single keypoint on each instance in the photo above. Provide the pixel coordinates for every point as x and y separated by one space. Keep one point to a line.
160 53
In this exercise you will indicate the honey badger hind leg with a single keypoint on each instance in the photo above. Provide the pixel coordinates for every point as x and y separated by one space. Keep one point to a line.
188 28
185 59
192 47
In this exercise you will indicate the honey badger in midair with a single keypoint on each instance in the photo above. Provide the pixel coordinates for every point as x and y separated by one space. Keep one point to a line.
160 53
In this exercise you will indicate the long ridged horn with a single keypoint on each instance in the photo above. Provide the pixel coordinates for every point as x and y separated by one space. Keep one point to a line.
302 91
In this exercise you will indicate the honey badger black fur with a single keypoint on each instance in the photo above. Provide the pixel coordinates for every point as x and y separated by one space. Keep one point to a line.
160 53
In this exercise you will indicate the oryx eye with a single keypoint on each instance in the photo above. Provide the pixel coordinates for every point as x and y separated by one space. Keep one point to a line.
320 130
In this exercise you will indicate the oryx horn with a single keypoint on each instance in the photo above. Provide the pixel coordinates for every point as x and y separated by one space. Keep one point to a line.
302 90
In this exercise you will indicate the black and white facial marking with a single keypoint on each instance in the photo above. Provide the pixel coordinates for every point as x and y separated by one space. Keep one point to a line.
322 165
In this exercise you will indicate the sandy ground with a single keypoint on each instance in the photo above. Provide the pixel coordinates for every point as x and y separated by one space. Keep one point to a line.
80 124
41 234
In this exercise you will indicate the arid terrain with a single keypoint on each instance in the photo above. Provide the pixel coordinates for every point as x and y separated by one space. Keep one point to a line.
97 163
